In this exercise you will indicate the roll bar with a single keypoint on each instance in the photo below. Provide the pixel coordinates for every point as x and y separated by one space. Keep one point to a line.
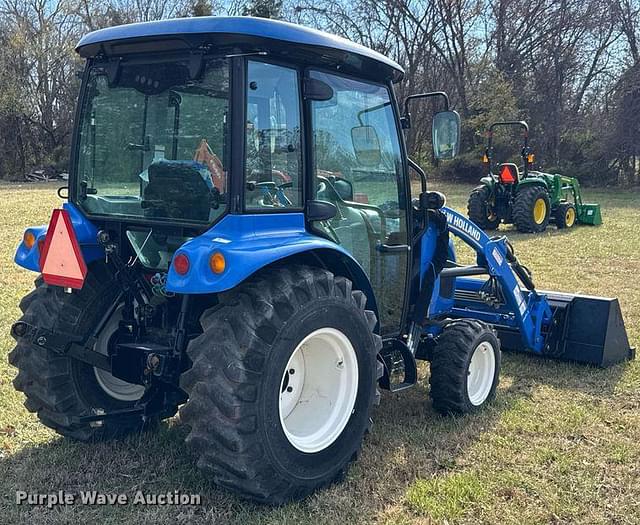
525 146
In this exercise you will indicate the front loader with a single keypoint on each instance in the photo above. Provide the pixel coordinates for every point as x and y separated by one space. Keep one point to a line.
529 199
239 245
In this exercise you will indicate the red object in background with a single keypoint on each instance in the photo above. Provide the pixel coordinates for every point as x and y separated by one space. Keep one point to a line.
206 156
61 261
506 175
362 198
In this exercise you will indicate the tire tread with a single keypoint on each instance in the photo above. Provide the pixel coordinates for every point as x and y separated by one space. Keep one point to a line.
523 209
477 208
221 409
449 365
46 377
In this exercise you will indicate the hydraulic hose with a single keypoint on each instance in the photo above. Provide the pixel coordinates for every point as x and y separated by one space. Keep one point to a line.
523 273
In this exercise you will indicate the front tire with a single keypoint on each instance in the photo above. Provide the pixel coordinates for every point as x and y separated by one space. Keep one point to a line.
465 367
282 383
565 215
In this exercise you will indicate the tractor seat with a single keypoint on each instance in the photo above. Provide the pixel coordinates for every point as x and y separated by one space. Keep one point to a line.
177 190
351 225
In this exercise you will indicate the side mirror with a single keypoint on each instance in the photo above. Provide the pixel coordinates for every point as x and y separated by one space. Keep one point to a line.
366 145
446 135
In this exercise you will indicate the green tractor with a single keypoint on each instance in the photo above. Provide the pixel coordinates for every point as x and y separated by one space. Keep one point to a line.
528 199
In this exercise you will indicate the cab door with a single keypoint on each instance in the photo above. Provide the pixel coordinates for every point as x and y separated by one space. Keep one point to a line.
357 166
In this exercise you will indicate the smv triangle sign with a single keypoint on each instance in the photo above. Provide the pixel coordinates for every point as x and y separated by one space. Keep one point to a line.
61 261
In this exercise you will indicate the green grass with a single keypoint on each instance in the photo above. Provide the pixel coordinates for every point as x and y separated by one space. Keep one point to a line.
561 443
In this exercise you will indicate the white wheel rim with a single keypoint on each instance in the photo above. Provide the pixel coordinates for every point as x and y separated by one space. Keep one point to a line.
482 369
318 390
116 388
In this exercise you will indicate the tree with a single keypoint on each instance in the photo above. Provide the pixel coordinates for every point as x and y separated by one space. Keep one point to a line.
626 14
263 8
566 66
40 39
623 140
201 8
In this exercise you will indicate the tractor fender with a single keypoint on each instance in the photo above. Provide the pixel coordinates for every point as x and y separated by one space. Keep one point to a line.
489 182
85 231
530 181
251 242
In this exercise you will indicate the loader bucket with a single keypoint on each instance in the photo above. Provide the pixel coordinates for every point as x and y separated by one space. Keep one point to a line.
590 214
586 329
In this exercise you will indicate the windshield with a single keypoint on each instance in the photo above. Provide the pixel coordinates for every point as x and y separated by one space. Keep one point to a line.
152 141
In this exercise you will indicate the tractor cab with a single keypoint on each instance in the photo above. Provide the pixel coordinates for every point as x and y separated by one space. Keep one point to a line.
184 126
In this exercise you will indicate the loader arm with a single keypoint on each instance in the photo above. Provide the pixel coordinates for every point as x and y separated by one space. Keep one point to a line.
500 291
523 310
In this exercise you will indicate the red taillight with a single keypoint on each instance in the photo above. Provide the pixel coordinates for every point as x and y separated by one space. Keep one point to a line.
181 264
507 175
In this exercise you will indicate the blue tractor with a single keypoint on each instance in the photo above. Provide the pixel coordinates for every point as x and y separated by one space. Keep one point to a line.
240 245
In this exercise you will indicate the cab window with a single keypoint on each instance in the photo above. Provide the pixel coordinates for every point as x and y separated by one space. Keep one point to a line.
358 168
273 160
152 142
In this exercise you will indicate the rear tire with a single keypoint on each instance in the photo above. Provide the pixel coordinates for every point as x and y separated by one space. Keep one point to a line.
479 208
565 215
465 367
59 388
240 425
531 209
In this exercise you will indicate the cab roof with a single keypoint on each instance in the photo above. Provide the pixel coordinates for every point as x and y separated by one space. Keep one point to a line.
247 33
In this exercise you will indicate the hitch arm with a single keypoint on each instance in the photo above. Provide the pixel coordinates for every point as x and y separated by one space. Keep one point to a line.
59 343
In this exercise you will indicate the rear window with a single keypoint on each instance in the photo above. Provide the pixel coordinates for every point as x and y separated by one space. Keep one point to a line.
153 142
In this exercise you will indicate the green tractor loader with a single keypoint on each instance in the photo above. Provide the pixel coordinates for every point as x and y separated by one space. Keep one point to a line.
528 199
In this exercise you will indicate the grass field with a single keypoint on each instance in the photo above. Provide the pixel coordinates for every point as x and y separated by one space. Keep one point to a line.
561 443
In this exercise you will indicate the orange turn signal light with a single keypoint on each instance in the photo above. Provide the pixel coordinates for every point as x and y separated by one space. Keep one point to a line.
217 262
29 239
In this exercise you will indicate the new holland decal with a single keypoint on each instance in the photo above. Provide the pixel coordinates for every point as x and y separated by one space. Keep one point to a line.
463 225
